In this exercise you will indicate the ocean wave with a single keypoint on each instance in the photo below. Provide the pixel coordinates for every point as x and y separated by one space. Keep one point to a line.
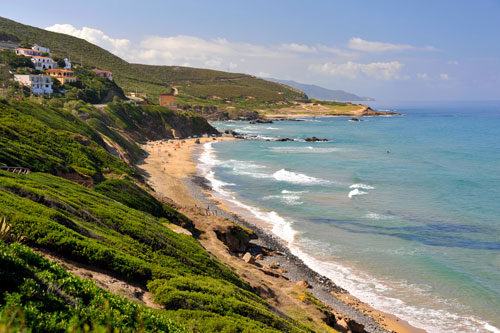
296 178
362 186
356 192
272 128
376 293
280 226
375 216
293 192
208 157
288 199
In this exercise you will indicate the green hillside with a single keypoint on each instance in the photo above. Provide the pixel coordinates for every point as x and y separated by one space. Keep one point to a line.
83 225
116 227
196 86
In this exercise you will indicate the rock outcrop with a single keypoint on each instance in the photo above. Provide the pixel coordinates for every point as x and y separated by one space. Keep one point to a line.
315 139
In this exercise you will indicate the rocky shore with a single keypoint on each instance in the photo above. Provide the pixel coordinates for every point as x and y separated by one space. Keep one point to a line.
269 251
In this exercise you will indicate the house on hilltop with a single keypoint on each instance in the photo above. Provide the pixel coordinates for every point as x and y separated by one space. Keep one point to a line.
168 100
42 62
103 73
62 75
41 49
39 84
27 52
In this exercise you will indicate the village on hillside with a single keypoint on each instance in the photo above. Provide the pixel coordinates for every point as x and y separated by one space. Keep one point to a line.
45 75
40 73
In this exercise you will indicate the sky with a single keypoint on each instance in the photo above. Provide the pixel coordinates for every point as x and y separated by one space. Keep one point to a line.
389 50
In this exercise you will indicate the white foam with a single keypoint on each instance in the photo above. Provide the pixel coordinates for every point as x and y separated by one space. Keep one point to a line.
306 150
356 192
272 128
362 186
376 293
375 216
293 192
491 328
288 199
280 227
296 178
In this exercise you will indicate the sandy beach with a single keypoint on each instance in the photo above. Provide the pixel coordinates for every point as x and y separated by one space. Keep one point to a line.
170 169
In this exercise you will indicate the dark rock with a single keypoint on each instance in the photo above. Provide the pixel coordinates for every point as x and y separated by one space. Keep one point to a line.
261 121
355 119
235 237
284 139
315 139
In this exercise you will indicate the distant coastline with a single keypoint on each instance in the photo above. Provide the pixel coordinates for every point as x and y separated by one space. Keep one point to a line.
325 109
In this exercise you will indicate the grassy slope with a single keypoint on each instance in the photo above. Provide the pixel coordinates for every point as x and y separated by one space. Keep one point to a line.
195 85
115 226
42 296
88 227
53 140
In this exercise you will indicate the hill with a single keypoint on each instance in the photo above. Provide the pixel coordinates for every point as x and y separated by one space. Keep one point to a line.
324 94
115 228
195 86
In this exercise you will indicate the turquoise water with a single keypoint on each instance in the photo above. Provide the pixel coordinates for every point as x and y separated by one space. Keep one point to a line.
401 211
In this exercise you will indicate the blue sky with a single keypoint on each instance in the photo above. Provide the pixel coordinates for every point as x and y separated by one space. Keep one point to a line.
390 50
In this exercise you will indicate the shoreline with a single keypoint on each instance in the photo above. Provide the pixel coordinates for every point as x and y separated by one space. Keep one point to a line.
180 183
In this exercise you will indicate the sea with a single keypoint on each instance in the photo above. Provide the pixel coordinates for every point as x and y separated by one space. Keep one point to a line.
402 211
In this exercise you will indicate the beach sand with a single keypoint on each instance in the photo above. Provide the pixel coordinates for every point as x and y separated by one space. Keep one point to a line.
170 169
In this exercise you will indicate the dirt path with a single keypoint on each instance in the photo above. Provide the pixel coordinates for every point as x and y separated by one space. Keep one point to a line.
104 280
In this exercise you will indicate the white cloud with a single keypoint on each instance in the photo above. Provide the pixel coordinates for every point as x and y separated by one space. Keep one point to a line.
94 36
423 76
352 70
359 44
293 60
262 74
293 47
444 76
452 62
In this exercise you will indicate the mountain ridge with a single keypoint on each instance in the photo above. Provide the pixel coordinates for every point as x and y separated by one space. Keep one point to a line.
321 93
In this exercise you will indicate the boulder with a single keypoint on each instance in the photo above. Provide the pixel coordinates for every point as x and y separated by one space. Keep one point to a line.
355 327
284 139
303 283
248 258
260 256
235 237
274 265
355 119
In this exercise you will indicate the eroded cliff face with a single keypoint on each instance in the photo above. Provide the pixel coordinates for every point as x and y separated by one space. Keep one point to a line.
214 112
150 122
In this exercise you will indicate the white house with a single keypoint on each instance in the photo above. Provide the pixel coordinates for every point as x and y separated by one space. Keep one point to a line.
67 64
42 62
39 84
41 49
27 52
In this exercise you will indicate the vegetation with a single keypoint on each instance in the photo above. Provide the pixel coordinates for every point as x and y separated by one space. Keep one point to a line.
84 225
39 295
53 140
133 196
